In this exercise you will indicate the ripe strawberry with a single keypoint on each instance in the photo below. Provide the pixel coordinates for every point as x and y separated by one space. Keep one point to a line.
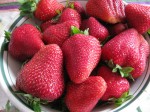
79 8
96 29
138 17
129 48
43 10
25 41
115 29
46 24
58 33
111 11
42 76
70 14
116 85
84 96
82 54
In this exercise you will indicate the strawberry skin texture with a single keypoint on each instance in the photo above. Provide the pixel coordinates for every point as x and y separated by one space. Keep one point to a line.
70 15
82 54
129 48
116 85
79 8
84 96
25 41
46 24
111 11
42 76
58 33
96 29
138 17
46 9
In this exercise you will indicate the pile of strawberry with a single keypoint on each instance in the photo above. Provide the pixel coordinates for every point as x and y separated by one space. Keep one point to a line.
80 67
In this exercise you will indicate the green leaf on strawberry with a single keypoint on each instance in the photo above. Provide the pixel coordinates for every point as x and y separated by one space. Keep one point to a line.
119 101
75 30
27 7
148 32
33 102
7 35
124 71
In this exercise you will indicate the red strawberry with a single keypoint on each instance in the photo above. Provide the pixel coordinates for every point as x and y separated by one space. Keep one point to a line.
129 48
25 41
96 29
111 11
84 96
115 29
82 54
58 33
70 14
79 8
42 76
46 24
138 17
43 10
116 85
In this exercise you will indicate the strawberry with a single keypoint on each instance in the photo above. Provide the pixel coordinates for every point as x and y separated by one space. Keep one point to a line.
96 29
46 24
82 54
70 14
115 29
84 96
78 7
25 41
42 10
116 85
138 17
42 76
111 11
128 49
57 34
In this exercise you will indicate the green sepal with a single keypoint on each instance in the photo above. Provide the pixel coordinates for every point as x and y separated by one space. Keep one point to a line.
28 7
75 30
8 106
148 31
38 28
124 71
56 18
7 35
32 101
7 39
119 101
71 5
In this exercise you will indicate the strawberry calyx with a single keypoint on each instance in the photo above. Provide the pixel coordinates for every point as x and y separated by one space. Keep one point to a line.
7 40
119 101
123 71
75 30
148 31
7 35
28 7
56 18
33 102
69 4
